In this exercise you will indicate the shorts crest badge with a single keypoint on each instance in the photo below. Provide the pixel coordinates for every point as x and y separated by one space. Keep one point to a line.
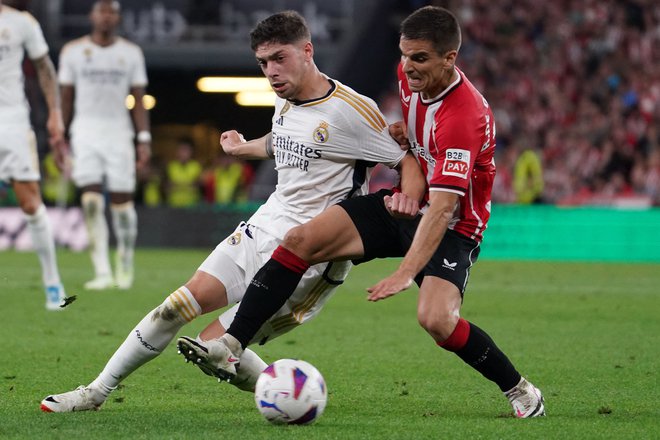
234 239
321 133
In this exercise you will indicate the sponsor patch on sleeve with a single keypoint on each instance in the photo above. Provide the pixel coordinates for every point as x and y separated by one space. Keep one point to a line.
457 163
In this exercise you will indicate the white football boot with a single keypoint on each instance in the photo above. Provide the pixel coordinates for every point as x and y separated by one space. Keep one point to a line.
213 357
123 271
101 282
55 297
526 400
124 278
81 399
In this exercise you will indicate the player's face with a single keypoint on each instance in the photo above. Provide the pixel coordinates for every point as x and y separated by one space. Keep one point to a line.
105 16
284 65
426 70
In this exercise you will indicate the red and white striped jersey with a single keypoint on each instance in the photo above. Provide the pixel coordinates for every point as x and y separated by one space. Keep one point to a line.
453 137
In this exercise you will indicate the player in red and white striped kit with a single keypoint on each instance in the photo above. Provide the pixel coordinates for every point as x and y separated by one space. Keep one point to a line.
450 129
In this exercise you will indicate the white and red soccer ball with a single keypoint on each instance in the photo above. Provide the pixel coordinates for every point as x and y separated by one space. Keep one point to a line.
291 391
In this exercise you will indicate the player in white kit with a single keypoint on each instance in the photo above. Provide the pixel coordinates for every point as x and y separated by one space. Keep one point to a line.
96 74
324 138
19 162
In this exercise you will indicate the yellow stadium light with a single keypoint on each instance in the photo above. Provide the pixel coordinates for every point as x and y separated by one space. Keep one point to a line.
148 102
256 99
232 84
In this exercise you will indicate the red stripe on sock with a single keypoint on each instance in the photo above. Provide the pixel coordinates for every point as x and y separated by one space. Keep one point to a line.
290 260
458 338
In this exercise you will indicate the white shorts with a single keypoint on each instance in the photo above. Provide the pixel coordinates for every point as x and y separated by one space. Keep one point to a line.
237 259
104 158
19 159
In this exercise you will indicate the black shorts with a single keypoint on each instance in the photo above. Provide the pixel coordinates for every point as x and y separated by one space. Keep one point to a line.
385 236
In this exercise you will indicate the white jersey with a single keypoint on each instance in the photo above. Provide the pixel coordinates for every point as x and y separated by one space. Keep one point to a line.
324 151
102 77
19 32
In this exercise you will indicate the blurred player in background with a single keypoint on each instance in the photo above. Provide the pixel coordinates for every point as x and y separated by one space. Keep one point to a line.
96 73
450 128
19 161
324 139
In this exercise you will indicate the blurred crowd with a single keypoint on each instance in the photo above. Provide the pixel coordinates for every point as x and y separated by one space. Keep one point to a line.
185 181
575 88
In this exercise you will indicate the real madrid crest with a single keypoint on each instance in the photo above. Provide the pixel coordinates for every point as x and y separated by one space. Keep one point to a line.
321 133
234 239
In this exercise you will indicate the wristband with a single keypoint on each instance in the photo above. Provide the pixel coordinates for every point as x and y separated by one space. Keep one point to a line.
144 136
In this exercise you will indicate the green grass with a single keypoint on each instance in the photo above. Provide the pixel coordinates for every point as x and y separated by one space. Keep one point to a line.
586 334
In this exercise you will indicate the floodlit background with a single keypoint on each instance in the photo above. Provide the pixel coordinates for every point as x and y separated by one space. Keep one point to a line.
574 85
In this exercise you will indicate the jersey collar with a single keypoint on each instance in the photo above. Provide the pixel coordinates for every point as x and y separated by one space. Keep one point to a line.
453 86
333 87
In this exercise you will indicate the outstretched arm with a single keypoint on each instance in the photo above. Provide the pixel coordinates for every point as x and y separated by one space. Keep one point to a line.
234 144
428 236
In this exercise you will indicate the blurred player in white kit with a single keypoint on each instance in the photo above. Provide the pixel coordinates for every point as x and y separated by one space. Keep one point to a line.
96 73
19 161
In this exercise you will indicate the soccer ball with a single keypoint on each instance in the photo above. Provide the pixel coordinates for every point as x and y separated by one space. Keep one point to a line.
291 391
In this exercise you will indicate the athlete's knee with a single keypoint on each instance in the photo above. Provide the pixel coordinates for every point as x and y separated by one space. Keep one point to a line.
439 323
92 203
300 241
29 200
30 205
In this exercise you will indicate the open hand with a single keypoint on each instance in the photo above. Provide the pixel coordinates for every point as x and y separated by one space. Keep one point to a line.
389 286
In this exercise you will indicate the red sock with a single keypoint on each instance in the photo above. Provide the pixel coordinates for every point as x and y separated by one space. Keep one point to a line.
290 260
458 338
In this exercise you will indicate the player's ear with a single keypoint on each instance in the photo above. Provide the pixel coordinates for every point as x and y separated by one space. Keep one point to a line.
449 58
308 49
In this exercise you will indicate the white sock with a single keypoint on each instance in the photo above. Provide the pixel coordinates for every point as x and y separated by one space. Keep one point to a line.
148 339
44 244
124 224
93 205
248 371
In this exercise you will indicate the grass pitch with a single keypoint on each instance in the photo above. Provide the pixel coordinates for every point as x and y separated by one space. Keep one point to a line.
586 334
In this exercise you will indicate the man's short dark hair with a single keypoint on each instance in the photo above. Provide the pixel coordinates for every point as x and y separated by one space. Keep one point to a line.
285 27
434 24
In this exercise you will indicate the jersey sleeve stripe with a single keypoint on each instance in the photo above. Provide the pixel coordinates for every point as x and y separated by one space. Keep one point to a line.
448 188
373 111
366 103
371 114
